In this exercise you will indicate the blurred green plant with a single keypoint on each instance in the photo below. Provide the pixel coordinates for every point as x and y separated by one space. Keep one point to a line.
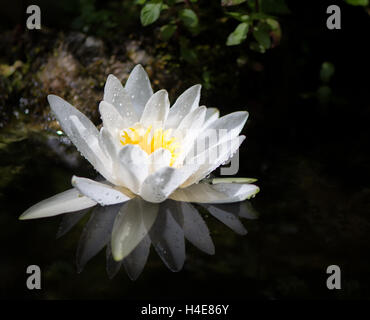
257 23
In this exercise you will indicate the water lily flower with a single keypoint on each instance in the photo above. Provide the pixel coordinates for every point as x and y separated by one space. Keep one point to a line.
148 150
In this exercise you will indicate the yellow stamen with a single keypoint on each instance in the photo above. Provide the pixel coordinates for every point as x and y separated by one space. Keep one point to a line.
138 135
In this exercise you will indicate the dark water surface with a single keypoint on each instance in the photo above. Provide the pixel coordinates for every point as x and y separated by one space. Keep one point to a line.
307 143
306 223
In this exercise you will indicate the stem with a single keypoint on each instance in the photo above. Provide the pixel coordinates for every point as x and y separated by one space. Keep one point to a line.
257 4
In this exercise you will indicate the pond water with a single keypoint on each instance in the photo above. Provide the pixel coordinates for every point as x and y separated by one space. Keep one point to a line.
290 240
307 144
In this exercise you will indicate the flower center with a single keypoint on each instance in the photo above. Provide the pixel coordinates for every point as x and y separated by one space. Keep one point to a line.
150 140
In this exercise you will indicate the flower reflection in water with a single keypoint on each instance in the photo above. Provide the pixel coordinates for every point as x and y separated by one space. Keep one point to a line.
128 231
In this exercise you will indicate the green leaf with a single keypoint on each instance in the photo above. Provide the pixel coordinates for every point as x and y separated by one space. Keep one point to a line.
238 35
167 31
150 13
358 2
242 17
274 24
327 71
261 34
189 18
228 3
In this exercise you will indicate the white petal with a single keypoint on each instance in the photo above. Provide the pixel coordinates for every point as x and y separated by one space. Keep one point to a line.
232 122
87 143
219 193
184 104
107 144
188 131
212 114
115 94
159 185
81 131
139 88
134 167
112 119
158 159
132 224
67 201
219 131
212 158
194 120
99 192
156 110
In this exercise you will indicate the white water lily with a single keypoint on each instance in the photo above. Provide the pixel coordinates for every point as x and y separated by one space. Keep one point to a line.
147 149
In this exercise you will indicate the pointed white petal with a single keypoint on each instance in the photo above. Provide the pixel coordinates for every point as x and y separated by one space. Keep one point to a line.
159 185
194 120
116 95
102 193
139 88
212 114
87 143
188 131
81 131
132 224
156 110
221 130
107 144
232 122
184 104
67 201
158 159
212 158
219 193
134 167
112 119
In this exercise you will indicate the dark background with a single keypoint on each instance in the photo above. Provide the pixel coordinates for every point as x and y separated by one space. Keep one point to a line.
307 143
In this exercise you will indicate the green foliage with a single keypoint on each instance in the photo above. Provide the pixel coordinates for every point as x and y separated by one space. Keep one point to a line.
167 31
238 35
92 18
181 20
189 18
261 34
150 13
358 2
